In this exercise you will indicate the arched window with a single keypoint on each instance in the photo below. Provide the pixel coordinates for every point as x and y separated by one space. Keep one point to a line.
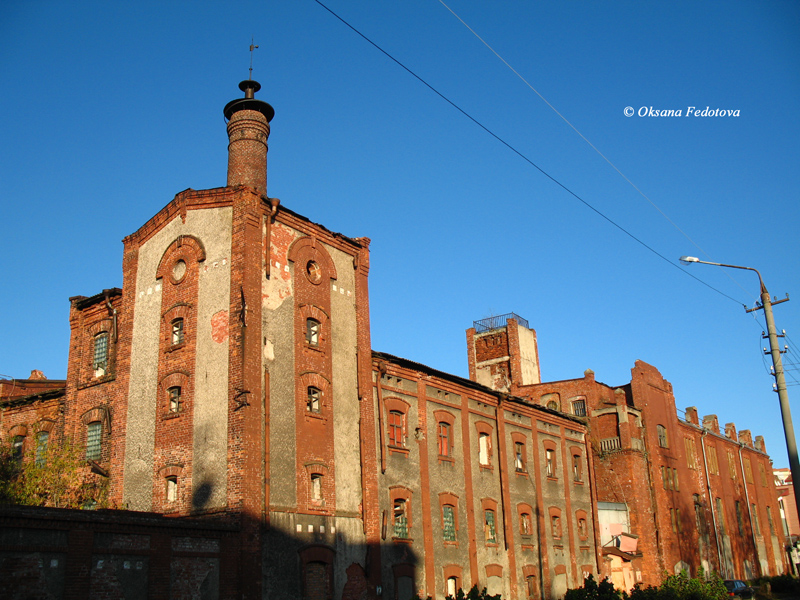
400 518
171 483
444 439
17 446
662 436
483 448
177 331
448 523
579 407
525 524
452 586
316 488
175 404
576 468
396 428
550 462
94 441
314 398
312 332
100 362
42 438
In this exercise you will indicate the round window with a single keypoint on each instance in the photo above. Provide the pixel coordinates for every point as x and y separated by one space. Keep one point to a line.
313 271
178 271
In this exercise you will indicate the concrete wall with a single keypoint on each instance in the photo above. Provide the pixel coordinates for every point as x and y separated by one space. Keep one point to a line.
212 227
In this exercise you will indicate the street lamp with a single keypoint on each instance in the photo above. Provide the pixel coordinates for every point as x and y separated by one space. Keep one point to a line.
783 396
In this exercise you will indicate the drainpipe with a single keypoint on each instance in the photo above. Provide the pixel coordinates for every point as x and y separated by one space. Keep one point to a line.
711 501
749 512
113 312
501 461
381 373
272 203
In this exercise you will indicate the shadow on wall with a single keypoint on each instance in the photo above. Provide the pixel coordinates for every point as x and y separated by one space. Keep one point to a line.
313 557
202 496
60 553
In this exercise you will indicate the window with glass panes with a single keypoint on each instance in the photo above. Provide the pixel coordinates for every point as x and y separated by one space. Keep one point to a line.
579 408
174 399
519 457
395 428
489 527
662 436
550 463
312 332
449 523
100 361
177 332
444 439
94 447
17 447
313 400
42 438
400 518
525 526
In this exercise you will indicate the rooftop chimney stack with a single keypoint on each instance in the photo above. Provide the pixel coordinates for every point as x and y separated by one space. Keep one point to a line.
248 131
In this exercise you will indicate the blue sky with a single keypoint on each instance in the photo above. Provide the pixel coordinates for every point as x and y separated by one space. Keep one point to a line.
112 108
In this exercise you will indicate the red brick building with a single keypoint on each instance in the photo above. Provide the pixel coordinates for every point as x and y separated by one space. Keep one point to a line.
671 493
231 381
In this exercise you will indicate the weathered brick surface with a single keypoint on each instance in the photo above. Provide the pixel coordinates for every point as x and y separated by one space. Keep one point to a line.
57 553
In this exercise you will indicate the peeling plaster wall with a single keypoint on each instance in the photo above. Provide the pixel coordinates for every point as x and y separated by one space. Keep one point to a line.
345 390
529 356
277 307
213 228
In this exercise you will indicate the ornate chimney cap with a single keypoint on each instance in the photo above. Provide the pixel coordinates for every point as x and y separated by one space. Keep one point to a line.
249 87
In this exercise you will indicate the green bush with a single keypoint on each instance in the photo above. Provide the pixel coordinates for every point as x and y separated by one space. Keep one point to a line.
473 594
682 587
675 587
592 590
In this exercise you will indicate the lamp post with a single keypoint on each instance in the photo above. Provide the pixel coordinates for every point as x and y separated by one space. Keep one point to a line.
783 396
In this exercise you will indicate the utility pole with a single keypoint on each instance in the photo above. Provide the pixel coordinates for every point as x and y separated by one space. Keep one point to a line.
777 364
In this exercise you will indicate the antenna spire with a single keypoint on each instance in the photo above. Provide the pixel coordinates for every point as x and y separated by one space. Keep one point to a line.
252 47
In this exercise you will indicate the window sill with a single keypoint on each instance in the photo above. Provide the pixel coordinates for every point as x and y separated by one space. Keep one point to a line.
551 478
314 417
446 459
171 415
97 380
486 467
492 544
398 540
453 544
578 482
398 450
521 473
175 347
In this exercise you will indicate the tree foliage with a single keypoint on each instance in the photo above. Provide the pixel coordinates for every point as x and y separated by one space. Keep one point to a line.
674 587
592 590
473 594
58 477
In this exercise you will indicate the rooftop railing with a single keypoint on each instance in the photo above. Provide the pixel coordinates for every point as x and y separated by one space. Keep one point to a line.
498 321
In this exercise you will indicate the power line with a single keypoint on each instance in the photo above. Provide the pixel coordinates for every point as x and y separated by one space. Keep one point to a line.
585 139
520 154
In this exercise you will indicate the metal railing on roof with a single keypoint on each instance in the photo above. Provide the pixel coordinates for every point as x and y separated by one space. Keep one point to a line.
498 321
